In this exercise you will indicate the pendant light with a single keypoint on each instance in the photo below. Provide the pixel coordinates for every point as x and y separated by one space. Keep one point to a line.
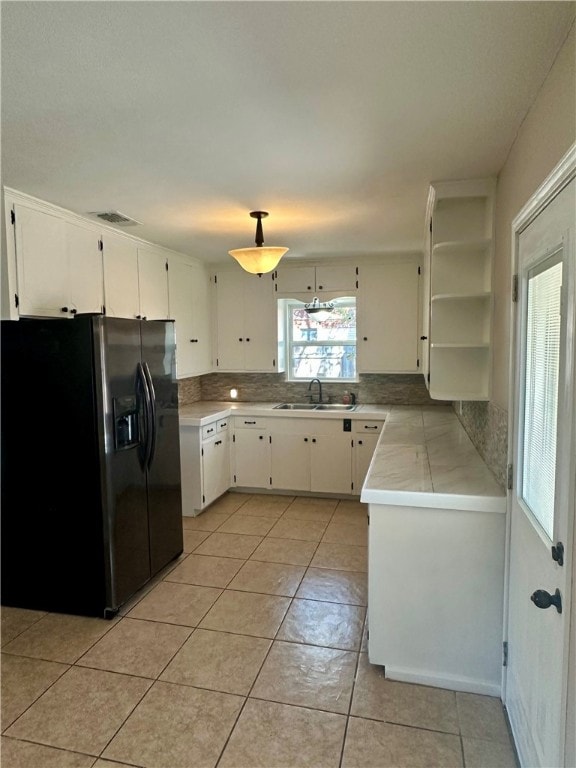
321 310
258 260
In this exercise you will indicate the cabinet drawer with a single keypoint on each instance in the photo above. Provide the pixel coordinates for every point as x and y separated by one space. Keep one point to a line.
222 425
209 430
249 422
368 427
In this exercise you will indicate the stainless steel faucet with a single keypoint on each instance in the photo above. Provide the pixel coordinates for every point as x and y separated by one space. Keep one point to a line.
319 390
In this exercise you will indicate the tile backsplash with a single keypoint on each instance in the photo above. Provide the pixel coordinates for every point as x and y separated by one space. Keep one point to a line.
487 427
391 389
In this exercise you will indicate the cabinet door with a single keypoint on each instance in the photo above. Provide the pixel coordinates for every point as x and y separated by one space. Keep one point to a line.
247 322
84 268
290 461
251 458
229 322
363 451
42 262
121 297
387 334
331 464
260 324
201 326
295 279
152 284
215 469
336 278
188 289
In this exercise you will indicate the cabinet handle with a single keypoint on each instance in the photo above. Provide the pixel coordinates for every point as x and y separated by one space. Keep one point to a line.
360 442
247 339
260 437
305 439
249 422
365 338
63 309
367 427
73 311
209 430
138 317
309 287
313 439
218 442
423 338
320 287
224 424
193 340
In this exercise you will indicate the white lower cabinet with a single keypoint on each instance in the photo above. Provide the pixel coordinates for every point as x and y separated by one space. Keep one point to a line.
331 462
366 434
251 453
205 465
311 455
286 454
290 460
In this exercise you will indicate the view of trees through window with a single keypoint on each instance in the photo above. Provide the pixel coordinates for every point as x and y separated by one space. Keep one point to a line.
324 349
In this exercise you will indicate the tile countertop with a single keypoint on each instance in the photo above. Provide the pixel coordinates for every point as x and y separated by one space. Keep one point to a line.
424 458
202 412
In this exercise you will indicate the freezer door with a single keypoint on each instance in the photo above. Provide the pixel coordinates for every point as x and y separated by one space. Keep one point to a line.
164 493
124 424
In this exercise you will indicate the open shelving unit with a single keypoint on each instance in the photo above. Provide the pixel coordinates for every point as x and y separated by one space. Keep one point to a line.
460 302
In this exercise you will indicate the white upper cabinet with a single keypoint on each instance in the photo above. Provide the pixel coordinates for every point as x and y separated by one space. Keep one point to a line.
460 289
189 292
334 279
247 323
387 329
59 264
121 296
153 284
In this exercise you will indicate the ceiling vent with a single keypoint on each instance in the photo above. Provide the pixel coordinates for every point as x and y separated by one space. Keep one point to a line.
115 217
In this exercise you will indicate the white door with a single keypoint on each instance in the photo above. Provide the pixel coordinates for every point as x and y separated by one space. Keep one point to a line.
542 501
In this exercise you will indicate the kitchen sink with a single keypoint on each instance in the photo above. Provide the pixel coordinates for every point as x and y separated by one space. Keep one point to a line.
334 407
296 406
315 407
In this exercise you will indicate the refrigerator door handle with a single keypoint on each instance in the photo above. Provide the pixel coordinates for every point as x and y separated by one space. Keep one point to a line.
142 384
153 427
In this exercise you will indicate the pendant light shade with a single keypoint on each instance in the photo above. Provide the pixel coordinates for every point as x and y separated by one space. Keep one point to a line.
259 259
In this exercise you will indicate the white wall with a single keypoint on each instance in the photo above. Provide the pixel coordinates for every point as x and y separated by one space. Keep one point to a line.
546 134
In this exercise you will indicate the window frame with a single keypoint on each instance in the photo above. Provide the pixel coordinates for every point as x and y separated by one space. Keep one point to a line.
289 305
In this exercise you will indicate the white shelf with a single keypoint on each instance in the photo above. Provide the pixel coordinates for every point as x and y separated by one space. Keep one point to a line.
460 296
460 300
457 345
461 247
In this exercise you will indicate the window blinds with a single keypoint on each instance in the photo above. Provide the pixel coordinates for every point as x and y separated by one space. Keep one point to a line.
541 391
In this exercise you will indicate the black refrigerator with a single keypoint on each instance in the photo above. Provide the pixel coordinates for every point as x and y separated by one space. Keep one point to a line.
91 500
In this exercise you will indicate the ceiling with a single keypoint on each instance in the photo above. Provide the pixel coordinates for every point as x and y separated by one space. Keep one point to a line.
333 116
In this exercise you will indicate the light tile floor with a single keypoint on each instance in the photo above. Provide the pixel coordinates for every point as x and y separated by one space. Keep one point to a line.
249 651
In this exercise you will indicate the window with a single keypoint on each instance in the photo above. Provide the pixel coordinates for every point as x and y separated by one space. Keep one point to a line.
323 349
541 391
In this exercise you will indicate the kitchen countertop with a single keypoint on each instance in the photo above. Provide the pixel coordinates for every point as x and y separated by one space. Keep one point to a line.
424 458
202 412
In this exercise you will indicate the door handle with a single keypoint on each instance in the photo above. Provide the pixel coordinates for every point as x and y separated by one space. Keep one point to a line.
152 406
543 599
